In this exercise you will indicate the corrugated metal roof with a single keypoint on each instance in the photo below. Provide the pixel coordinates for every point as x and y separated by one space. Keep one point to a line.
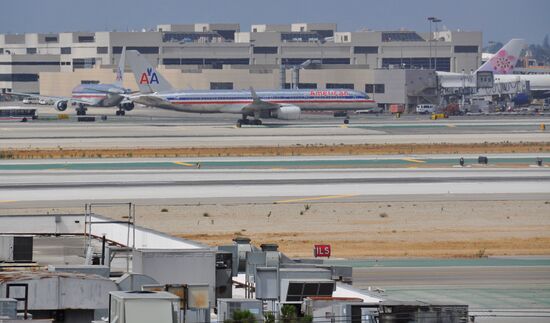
37 275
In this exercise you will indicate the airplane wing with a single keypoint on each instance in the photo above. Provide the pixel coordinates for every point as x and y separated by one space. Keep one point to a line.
37 96
150 100
51 98
258 104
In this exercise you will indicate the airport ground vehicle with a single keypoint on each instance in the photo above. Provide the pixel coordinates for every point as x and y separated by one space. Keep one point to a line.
425 108
397 108
436 116
17 114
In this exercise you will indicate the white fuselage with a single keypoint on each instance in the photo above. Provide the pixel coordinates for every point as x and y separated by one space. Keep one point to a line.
233 101
537 82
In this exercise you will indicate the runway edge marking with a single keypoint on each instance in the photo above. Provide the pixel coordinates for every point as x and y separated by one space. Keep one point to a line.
327 197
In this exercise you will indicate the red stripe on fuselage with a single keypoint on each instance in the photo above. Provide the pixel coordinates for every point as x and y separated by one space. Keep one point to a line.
275 101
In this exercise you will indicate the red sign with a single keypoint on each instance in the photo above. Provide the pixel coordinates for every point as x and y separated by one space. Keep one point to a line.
328 93
321 250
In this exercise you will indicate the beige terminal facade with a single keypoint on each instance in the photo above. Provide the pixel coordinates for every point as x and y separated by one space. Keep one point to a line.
391 66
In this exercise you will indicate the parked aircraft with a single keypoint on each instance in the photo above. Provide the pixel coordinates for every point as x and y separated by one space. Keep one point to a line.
502 66
94 95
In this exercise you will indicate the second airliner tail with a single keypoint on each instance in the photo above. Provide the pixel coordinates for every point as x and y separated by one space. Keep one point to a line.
147 77
504 61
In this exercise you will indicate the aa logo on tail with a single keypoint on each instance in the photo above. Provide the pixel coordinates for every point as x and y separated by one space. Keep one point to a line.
150 77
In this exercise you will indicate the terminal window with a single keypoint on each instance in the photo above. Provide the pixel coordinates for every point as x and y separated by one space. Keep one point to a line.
65 50
226 34
443 63
324 33
18 77
221 85
83 62
401 36
86 39
171 61
31 50
140 49
89 82
215 62
375 88
342 61
50 39
300 36
340 86
303 85
103 50
466 49
369 88
365 50
219 62
192 61
265 50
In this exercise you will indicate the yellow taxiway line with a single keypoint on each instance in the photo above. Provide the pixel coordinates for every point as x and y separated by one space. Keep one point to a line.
412 160
328 197
185 164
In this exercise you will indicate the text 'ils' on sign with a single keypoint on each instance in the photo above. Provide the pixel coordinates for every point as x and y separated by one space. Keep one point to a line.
321 250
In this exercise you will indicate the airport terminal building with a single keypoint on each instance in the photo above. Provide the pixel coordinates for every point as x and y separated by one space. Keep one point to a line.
391 66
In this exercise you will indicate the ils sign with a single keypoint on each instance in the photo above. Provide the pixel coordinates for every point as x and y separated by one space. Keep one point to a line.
321 250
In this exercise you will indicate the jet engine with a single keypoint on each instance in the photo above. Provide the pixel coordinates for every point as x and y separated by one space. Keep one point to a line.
128 105
61 105
288 112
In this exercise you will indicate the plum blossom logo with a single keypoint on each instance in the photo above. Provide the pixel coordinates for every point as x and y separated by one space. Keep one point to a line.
503 63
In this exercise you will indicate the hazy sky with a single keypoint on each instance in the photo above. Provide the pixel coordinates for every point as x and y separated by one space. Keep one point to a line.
499 20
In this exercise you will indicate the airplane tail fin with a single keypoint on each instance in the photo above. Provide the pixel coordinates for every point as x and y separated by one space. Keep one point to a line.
504 61
120 68
147 77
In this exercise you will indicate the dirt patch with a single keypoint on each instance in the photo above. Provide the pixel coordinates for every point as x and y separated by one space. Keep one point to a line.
298 150
451 228
299 245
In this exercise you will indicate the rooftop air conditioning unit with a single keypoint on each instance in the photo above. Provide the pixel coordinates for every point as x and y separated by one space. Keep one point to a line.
16 248
143 307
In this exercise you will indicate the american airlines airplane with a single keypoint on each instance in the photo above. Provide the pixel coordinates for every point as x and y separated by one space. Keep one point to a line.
95 95
155 91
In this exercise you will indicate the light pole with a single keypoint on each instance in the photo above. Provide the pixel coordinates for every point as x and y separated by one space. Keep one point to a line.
430 19
436 20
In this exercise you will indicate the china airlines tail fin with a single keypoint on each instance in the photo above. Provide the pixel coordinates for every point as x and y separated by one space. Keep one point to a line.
504 61
147 77
120 69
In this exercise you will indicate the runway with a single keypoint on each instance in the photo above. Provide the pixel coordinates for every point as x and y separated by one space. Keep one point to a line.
265 179
189 130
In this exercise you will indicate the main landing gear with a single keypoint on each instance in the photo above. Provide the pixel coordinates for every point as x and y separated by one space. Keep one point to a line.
244 120
120 112
81 110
